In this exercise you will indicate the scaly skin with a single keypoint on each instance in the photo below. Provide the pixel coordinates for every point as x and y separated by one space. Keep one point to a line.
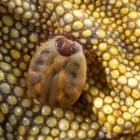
109 31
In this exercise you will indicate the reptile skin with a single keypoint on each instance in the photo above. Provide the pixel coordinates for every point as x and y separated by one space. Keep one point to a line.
109 31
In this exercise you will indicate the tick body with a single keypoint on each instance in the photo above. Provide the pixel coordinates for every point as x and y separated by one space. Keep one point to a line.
57 72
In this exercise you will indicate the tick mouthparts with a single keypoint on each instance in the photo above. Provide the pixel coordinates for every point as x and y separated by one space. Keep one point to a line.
66 47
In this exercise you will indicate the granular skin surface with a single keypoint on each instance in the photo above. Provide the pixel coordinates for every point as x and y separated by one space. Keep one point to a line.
109 105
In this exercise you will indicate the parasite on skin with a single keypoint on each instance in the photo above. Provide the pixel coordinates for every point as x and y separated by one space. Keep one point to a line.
57 72
109 104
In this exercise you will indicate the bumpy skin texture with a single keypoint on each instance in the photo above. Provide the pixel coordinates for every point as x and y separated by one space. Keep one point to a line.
109 30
